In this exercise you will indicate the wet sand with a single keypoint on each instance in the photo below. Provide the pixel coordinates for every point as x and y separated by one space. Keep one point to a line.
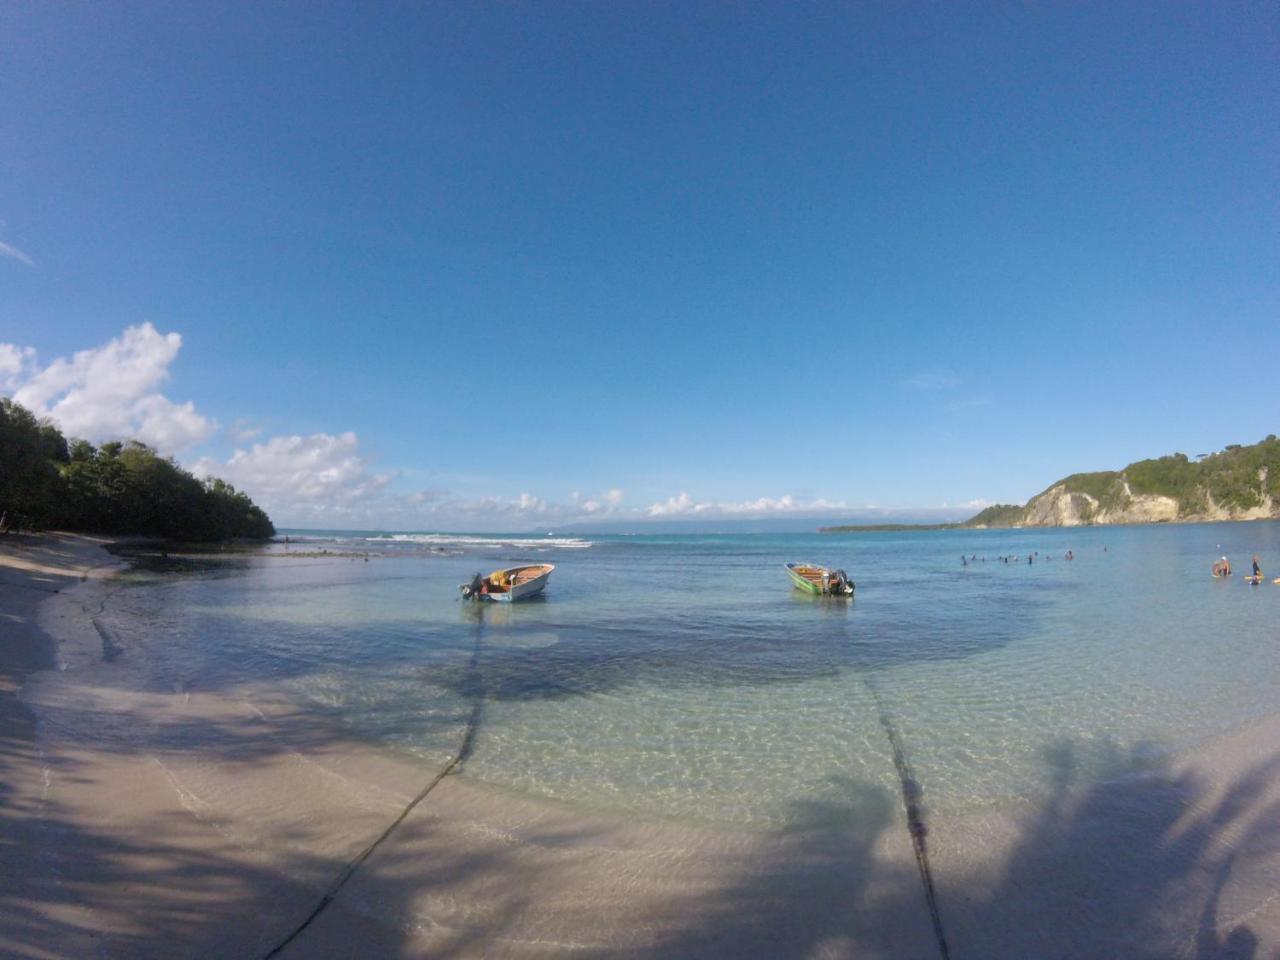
187 823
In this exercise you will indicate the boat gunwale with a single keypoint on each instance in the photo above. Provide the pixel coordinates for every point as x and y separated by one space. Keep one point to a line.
802 580
504 594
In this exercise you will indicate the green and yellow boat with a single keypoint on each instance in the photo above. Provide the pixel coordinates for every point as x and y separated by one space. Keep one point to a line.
820 581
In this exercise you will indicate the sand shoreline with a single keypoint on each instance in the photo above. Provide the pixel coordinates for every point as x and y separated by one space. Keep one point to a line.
202 824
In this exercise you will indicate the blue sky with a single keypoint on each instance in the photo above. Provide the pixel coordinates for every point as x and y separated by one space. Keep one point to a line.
472 266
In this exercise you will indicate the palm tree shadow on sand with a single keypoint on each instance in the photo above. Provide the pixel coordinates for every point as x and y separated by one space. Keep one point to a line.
1147 866
1161 864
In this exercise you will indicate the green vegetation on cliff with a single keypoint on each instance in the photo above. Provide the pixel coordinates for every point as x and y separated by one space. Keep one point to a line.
997 515
115 488
1235 479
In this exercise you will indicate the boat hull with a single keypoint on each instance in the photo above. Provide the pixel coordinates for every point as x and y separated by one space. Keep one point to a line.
801 583
518 583
522 591
809 578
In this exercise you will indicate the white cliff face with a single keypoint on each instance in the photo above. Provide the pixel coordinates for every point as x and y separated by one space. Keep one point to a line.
1058 507
1149 508
1266 510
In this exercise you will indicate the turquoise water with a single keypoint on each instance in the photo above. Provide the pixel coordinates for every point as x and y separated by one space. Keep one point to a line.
682 677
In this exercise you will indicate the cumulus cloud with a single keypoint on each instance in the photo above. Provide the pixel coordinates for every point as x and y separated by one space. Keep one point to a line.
109 392
684 505
525 507
242 431
15 254
16 364
677 506
303 479
601 504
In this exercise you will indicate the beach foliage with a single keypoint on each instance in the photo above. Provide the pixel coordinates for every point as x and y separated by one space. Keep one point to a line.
118 488
997 515
30 454
1105 486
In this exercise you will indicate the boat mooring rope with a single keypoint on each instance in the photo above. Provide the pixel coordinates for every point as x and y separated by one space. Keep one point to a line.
465 749
912 794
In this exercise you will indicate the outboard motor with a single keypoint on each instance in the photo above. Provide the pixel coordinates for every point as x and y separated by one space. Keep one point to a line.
473 588
840 582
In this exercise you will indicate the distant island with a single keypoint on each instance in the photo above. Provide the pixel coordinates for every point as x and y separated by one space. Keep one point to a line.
119 487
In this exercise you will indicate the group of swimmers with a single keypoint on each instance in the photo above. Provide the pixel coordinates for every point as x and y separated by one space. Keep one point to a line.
1222 568
1015 558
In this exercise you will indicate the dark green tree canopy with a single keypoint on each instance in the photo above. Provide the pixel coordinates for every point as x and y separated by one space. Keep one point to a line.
119 487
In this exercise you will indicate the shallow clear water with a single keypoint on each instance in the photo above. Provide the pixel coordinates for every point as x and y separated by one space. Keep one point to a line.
681 676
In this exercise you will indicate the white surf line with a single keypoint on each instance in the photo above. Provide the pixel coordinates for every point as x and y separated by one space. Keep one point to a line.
453 766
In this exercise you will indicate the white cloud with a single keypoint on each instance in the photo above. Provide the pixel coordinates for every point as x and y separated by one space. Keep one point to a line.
603 504
684 505
528 503
303 479
15 365
169 426
109 392
437 509
681 505
15 254
242 431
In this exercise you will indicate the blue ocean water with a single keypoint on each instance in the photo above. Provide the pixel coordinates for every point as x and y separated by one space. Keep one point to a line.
681 676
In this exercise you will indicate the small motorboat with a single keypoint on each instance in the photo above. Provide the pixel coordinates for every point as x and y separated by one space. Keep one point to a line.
820 581
513 583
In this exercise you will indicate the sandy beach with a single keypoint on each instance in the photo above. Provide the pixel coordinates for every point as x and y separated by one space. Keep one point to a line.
193 823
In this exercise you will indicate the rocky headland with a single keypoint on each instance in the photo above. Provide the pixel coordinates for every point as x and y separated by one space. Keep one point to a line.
1237 483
